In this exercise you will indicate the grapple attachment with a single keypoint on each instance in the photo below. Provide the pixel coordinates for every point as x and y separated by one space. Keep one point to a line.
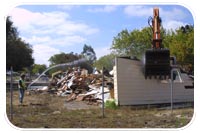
157 63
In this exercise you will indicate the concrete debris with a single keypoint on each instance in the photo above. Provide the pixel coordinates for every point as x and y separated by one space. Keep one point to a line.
78 85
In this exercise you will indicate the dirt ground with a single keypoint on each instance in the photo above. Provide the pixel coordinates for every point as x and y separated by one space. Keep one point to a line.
50 100
49 111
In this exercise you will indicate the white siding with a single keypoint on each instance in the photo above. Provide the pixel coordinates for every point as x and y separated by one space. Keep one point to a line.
131 88
115 84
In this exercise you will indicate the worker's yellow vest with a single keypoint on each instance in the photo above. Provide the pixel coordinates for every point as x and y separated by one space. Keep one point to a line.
23 84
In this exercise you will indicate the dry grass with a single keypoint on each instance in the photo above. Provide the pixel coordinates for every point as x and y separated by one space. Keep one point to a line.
45 110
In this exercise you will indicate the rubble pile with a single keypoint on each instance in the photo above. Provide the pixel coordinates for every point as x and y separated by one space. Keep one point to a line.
77 84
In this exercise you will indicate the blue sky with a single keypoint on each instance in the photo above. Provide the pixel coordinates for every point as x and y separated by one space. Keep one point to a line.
52 29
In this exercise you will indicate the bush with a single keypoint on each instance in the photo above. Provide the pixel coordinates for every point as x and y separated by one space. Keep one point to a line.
111 104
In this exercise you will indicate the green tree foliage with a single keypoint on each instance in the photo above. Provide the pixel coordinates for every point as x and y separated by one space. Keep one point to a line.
11 31
37 68
89 53
60 59
181 44
66 58
134 43
63 58
106 61
18 52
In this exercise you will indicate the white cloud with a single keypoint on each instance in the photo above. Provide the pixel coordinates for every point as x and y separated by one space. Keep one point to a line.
51 18
49 23
107 8
173 14
69 40
146 11
55 41
70 27
101 51
67 7
42 53
37 40
171 19
26 20
46 30
172 24
138 11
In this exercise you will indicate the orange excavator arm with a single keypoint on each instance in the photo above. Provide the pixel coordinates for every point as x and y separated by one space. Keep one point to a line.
157 59
156 23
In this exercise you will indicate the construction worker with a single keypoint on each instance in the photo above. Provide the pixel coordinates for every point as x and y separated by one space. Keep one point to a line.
21 87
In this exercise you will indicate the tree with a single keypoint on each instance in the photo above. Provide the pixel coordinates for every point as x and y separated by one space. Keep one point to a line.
89 53
67 58
60 59
18 52
11 31
132 43
182 45
106 61
37 68
63 58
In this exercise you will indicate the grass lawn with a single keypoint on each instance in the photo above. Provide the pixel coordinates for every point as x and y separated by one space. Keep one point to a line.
50 111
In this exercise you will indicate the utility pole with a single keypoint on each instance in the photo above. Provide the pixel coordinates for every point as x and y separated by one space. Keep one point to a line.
11 93
103 92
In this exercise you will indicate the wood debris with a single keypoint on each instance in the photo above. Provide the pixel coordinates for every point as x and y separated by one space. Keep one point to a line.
78 85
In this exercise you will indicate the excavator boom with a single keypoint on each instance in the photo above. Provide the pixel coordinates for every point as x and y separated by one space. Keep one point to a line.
156 22
157 59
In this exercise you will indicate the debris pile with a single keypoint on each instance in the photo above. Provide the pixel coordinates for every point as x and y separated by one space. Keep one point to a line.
77 84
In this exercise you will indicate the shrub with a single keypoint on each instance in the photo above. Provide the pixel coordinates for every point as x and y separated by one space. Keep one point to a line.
111 104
